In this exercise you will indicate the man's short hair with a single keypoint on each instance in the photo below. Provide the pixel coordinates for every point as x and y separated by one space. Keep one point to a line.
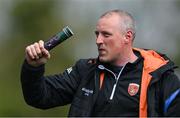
128 20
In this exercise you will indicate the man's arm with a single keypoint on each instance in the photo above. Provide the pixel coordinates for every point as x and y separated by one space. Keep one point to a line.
171 93
50 91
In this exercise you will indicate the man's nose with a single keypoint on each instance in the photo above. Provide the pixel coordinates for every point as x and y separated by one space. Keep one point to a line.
99 39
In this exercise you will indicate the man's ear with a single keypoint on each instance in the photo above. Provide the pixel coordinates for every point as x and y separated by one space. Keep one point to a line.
128 36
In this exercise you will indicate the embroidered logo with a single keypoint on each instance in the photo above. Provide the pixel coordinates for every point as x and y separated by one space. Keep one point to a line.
133 89
87 91
69 70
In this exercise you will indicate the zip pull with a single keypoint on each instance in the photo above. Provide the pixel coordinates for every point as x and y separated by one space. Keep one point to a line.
114 87
112 94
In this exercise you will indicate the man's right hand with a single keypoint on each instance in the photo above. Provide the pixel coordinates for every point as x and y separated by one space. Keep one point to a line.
36 54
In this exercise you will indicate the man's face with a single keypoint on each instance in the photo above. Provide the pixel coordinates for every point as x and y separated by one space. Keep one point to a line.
109 38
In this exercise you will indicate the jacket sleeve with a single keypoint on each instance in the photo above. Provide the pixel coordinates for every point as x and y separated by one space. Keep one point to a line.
171 94
48 91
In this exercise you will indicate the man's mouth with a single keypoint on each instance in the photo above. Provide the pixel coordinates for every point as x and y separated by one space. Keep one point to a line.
101 51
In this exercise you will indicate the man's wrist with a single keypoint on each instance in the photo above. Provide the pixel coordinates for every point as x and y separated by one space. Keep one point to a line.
31 67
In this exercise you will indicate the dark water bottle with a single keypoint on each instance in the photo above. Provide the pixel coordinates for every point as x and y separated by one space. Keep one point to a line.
58 38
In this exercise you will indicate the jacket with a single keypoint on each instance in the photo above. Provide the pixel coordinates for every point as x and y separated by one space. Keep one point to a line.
79 85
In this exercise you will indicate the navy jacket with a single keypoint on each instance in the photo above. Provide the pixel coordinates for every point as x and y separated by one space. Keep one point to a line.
79 87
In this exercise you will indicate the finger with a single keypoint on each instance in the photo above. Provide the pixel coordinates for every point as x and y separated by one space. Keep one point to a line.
46 53
29 53
34 52
41 44
37 49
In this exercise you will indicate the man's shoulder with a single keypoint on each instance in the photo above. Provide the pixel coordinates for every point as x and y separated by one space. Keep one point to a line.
87 63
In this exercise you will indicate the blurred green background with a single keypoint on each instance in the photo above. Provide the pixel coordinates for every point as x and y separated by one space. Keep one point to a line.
23 22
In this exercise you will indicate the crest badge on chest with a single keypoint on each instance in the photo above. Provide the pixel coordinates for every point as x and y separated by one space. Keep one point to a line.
133 89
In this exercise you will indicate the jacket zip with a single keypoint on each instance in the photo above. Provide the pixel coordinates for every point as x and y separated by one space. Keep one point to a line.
116 78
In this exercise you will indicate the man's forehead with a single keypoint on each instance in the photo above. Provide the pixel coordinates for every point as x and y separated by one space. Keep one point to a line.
110 19
108 22
110 14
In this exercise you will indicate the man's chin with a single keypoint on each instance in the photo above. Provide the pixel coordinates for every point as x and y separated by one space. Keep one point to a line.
103 60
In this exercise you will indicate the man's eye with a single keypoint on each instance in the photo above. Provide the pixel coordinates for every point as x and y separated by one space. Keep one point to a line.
106 35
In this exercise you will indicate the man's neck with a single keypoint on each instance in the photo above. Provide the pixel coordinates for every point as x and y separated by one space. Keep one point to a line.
125 58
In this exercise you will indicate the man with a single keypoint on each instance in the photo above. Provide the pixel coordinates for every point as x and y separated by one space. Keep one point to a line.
122 81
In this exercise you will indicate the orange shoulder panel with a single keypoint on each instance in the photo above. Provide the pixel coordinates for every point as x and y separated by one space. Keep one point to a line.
152 61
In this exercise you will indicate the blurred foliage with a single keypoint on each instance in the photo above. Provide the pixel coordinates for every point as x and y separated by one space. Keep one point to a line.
32 20
177 58
31 16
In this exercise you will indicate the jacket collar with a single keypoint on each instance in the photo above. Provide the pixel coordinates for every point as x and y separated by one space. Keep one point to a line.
155 63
